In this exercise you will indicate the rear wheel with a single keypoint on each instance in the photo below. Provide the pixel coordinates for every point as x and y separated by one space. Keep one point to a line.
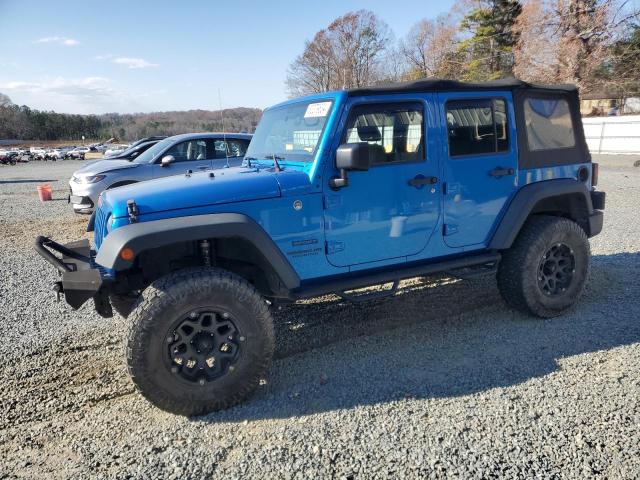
545 271
199 340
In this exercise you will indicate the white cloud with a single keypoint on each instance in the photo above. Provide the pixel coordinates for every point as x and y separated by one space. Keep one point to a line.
67 42
130 62
87 87
107 56
72 95
134 62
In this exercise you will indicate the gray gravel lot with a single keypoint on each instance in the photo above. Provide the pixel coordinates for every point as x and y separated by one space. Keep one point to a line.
441 380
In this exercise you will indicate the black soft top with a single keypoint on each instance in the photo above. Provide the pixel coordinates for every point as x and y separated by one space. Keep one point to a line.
439 85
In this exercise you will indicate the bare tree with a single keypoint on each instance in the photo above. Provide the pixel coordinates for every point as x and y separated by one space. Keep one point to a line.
5 101
315 69
568 40
348 53
430 48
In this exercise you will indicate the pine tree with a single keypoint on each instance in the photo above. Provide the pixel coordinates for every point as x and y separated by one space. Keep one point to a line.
489 49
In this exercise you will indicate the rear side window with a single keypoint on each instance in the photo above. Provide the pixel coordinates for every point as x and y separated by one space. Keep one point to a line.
548 123
237 148
477 127
395 130
230 147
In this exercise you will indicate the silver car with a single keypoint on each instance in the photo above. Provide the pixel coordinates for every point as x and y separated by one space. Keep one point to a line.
171 156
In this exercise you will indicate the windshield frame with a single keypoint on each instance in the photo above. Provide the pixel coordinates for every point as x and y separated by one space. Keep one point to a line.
282 156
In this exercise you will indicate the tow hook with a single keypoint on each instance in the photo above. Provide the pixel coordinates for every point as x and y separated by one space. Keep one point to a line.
132 211
57 287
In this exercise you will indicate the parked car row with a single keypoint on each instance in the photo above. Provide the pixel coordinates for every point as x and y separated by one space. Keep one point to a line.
13 155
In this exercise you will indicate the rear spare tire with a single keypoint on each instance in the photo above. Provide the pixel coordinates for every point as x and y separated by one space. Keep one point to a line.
545 270
199 340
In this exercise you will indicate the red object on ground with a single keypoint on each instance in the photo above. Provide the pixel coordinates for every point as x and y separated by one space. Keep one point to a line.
44 192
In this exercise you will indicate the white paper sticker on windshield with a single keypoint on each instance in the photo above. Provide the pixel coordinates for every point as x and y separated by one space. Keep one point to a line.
317 110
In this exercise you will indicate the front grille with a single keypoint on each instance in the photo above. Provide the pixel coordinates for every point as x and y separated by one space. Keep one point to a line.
100 227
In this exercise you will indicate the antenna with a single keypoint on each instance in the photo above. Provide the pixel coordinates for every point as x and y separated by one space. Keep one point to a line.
224 133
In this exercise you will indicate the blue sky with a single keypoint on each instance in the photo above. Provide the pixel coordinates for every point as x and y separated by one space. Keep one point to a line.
139 56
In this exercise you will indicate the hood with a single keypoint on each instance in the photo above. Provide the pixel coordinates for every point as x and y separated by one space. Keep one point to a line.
102 166
236 184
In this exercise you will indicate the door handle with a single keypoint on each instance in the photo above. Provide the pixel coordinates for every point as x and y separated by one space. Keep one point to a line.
420 180
501 172
202 168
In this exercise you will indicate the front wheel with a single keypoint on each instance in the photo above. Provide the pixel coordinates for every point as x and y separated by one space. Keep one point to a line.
199 340
546 269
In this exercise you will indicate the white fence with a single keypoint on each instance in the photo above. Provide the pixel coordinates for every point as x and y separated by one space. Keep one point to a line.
613 134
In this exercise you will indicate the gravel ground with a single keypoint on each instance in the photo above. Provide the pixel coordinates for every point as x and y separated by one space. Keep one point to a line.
441 380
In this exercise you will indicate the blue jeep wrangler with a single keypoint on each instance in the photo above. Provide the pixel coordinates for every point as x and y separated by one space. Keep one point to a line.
338 191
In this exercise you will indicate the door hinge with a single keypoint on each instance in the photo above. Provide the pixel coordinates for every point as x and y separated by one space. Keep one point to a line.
332 247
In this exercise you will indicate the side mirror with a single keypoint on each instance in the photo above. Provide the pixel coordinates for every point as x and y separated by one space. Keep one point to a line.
351 156
167 160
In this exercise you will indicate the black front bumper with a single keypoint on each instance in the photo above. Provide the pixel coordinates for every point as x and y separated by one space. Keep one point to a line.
81 279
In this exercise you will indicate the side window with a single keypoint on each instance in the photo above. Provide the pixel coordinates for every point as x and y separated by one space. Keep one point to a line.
237 148
232 148
477 126
220 149
396 130
188 151
548 122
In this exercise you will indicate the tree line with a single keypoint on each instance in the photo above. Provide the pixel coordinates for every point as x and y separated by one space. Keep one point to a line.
594 44
24 123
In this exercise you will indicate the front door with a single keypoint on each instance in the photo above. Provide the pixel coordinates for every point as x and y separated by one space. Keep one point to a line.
390 211
194 155
480 164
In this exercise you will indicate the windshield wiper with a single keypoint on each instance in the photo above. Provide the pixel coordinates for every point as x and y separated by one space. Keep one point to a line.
271 156
275 159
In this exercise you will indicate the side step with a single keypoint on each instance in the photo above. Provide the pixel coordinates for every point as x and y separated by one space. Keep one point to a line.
468 273
344 284
365 297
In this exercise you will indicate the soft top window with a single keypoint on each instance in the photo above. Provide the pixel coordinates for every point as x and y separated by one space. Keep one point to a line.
477 126
548 123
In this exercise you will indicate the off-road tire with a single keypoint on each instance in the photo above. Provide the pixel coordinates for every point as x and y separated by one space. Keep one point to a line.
175 295
519 268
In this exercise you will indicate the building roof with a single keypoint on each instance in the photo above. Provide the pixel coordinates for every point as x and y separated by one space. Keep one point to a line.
439 85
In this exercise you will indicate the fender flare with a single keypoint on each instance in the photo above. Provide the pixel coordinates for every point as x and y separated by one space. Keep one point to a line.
524 202
157 233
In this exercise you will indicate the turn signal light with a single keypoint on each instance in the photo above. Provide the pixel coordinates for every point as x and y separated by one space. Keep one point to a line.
594 174
127 254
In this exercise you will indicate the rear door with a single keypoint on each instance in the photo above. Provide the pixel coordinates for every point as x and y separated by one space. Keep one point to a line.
480 163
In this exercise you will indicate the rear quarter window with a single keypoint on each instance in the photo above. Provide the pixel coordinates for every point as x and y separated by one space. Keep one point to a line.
548 124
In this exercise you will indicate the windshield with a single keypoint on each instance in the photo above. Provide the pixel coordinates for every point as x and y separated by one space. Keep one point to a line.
148 155
290 132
